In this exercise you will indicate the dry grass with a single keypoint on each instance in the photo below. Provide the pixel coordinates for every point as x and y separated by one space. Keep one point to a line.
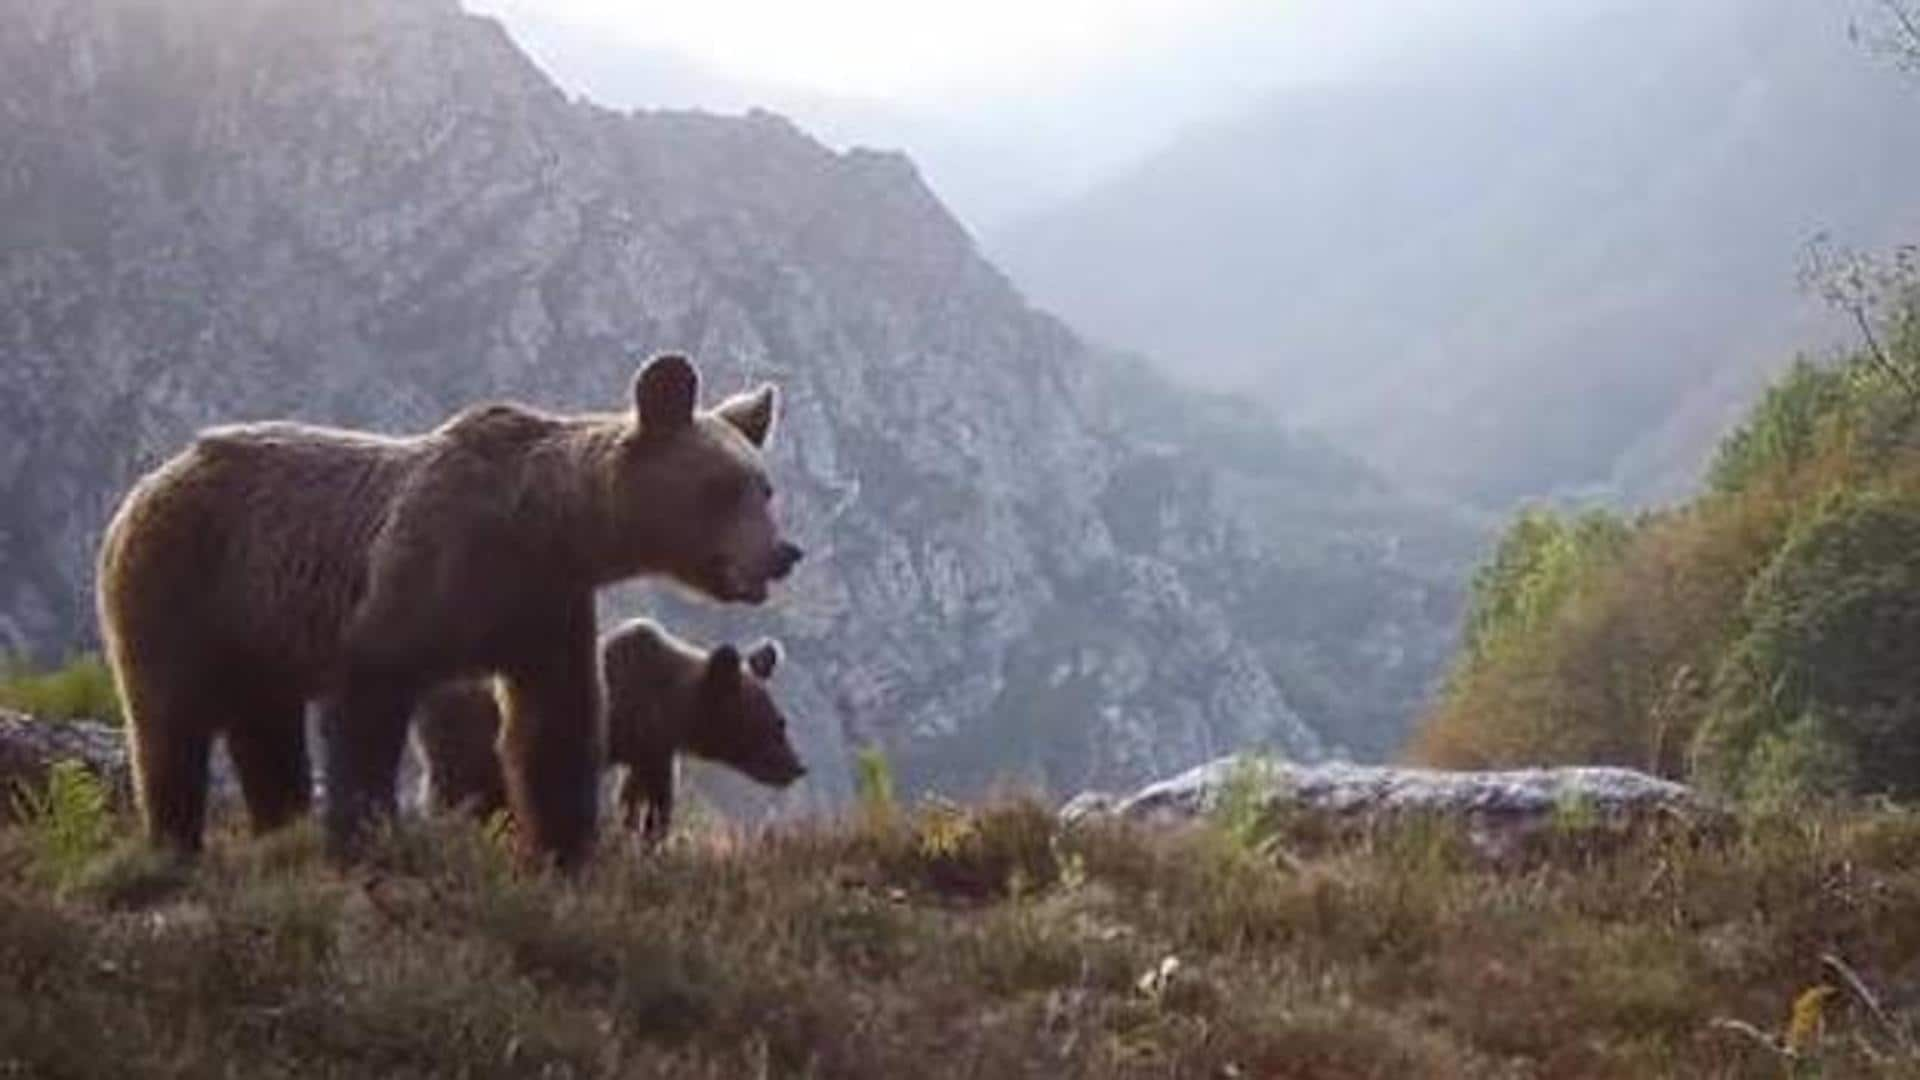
978 942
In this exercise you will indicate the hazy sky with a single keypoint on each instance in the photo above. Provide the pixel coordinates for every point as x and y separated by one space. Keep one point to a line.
1005 104
899 51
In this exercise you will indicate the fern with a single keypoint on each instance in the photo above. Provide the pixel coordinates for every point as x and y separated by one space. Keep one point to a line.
1243 809
873 783
69 821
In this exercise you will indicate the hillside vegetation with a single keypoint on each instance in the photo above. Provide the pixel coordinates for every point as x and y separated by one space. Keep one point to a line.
1763 637
955 942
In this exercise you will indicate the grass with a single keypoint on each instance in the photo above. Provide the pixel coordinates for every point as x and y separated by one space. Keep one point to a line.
984 941
80 689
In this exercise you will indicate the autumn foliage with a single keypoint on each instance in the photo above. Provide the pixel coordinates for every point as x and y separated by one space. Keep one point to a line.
1764 637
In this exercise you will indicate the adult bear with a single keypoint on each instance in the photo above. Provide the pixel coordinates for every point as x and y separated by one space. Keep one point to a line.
276 563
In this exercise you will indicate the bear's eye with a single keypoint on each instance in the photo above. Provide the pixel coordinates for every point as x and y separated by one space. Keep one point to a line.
722 495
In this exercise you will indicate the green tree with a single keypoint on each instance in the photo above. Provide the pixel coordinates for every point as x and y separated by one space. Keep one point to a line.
1541 558
1822 691
1780 432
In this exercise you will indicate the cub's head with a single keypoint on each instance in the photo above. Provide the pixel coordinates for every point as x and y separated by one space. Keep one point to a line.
735 720
690 492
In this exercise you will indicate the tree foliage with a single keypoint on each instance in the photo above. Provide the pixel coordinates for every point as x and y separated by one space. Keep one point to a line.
1781 432
1539 561
1764 637
1822 690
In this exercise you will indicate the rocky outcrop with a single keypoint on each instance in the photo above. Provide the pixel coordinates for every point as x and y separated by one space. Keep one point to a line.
1501 809
29 748
373 212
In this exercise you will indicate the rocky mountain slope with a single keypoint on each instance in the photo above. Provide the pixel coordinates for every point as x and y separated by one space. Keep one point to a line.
1533 270
370 212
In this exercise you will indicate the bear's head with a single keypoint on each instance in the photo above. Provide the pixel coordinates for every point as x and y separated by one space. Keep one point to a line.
691 496
735 721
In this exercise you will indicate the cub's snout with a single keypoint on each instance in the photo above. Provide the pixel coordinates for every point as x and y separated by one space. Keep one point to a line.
786 556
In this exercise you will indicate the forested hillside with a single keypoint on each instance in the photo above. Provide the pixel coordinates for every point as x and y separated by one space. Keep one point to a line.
1763 638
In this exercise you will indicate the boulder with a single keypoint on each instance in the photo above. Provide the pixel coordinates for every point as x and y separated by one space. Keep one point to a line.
30 747
1501 808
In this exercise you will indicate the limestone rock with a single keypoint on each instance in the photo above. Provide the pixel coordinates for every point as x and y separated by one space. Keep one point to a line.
1501 808
29 748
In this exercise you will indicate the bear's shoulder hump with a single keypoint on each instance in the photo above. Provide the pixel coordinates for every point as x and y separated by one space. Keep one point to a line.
497 424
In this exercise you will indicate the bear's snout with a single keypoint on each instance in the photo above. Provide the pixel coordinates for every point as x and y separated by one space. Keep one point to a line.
778 767
786 556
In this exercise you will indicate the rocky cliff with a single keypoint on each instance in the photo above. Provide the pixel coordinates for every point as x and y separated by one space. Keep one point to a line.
370 212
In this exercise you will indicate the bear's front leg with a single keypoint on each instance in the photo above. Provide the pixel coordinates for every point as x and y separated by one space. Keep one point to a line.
365 725
658 776
552 747
648 789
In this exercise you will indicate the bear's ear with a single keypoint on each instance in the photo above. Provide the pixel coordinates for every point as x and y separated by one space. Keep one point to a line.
723 665
764 657
664 392
751 412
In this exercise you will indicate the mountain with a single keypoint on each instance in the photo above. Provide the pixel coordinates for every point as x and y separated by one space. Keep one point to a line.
989 154
1557 268
1028 558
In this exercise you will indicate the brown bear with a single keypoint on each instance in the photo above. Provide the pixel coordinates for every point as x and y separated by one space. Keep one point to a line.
275 563
664 696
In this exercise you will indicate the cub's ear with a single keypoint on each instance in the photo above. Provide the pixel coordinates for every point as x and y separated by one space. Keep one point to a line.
751 412
664 391
723 665
764 658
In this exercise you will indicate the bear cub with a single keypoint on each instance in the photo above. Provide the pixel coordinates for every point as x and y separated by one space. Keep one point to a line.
664 696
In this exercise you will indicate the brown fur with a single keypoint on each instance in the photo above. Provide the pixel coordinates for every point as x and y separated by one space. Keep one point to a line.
455 728
269 564
664 697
